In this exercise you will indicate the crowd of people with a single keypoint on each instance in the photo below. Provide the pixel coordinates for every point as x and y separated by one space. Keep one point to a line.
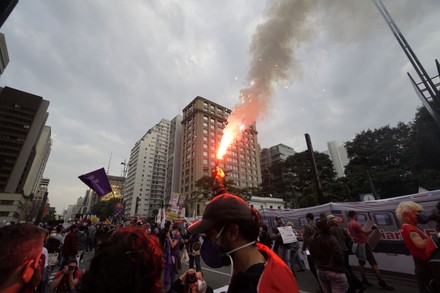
145 258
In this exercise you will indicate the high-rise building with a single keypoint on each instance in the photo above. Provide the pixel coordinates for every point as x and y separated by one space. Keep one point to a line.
174 151
203 122
144 190
4 55
24 149
339 157
275 153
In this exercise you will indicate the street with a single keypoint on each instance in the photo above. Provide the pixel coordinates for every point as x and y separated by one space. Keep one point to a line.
218 278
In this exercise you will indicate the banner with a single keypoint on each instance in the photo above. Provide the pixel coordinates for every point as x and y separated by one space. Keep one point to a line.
176 208
98 181
119 210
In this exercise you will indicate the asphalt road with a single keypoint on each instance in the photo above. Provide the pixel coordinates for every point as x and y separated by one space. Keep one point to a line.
218 278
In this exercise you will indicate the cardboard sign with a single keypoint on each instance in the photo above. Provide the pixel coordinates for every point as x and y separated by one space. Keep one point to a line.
287 234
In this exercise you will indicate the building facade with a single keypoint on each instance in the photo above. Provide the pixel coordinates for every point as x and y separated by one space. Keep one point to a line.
339 157
144 190
174 159
275 153
202 129
24 150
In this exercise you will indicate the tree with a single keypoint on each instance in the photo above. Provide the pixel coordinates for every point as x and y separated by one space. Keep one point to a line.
381 155
104 208
293 179
425 150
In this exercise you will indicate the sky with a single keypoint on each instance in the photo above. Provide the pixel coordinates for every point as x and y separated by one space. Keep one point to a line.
113 69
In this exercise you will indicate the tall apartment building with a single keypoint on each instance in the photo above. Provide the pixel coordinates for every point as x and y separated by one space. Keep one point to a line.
144 189
203 122
174 151
339 157
275 153
24 149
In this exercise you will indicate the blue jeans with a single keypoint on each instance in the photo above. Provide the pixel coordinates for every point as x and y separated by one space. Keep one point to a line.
295 256
332 282
196 259
284 253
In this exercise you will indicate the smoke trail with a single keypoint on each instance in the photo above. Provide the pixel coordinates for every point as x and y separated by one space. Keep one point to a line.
272 59
289 24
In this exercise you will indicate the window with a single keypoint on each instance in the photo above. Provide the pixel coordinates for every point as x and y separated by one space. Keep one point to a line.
383 219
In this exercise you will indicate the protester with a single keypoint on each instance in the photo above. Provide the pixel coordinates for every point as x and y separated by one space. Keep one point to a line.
91 241
264 237
81 242
191 281
329 260
309 230
342 236
363 250
70 246
194 251
294 256
231 228
166 251
175 241
66 280
21 247
130 261
410 213
280 248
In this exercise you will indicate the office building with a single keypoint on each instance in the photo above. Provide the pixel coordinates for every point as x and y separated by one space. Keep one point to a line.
4 55
275 153
144 190
24 150
174 151
339 157
203 122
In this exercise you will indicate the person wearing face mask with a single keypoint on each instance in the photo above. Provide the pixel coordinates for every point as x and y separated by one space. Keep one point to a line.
191 281
21 247
410 213
231 229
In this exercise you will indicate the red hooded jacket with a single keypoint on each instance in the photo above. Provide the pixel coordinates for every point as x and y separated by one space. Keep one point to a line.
276 276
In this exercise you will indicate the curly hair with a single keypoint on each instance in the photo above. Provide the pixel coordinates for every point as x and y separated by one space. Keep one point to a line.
130 261
406 208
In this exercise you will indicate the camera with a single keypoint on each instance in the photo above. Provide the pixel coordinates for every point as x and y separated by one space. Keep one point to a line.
191 278
72 268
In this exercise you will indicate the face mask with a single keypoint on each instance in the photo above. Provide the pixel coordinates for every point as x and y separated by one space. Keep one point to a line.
422 218
201 286
211 255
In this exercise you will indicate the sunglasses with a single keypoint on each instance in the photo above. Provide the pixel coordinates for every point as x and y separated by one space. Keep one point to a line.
72 268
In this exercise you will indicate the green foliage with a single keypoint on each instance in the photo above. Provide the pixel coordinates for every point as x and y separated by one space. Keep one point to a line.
293 180
104 209
390 161
397 159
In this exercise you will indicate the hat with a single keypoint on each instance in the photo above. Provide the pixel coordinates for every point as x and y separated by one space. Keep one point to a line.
330 217
277 217
222 207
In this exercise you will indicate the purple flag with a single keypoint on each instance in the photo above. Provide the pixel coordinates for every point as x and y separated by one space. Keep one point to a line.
98 181
119 210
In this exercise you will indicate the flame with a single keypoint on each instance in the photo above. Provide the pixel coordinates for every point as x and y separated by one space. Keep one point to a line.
231 132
